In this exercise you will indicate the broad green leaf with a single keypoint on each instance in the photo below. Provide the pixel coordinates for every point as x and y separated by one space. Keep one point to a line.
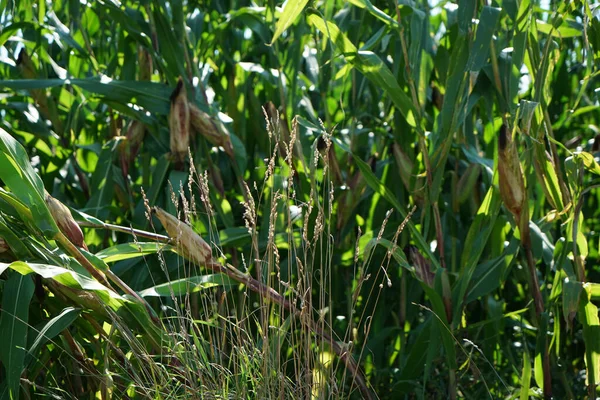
184 286
101 184
125 251
16 296
170 46
68 278
488 276
233 236
14 242
393 249
564 31
18 174
477 238
376 12
485 31
589 162
291 11
152 96
588 316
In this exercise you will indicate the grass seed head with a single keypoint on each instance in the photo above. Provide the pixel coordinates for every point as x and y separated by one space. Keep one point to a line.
179 122
188 242
65 222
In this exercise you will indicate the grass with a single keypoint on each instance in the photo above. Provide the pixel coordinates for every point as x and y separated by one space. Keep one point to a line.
301 200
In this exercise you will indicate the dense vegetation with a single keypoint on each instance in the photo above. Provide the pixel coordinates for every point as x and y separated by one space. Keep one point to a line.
312 199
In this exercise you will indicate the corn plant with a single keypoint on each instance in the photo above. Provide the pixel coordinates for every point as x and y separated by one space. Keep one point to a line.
363 199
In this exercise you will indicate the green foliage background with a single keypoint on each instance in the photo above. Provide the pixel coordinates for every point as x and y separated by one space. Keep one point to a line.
391 106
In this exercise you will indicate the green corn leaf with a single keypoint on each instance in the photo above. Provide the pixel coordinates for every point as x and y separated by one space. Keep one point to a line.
188 285
18 174
16 296
291 11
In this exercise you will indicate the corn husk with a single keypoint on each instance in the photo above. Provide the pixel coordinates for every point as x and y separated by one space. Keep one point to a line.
65 221
467 182
422 267
211 128
437 98
512 184
3 246
189 244
179 123
404 163
145 64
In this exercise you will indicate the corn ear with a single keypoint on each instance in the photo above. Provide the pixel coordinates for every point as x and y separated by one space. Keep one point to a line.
189 243
404 163
212 129
437 98
512 184
467 182
422 267
179 123
65 222
3 246
405 170
135 136
145 64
